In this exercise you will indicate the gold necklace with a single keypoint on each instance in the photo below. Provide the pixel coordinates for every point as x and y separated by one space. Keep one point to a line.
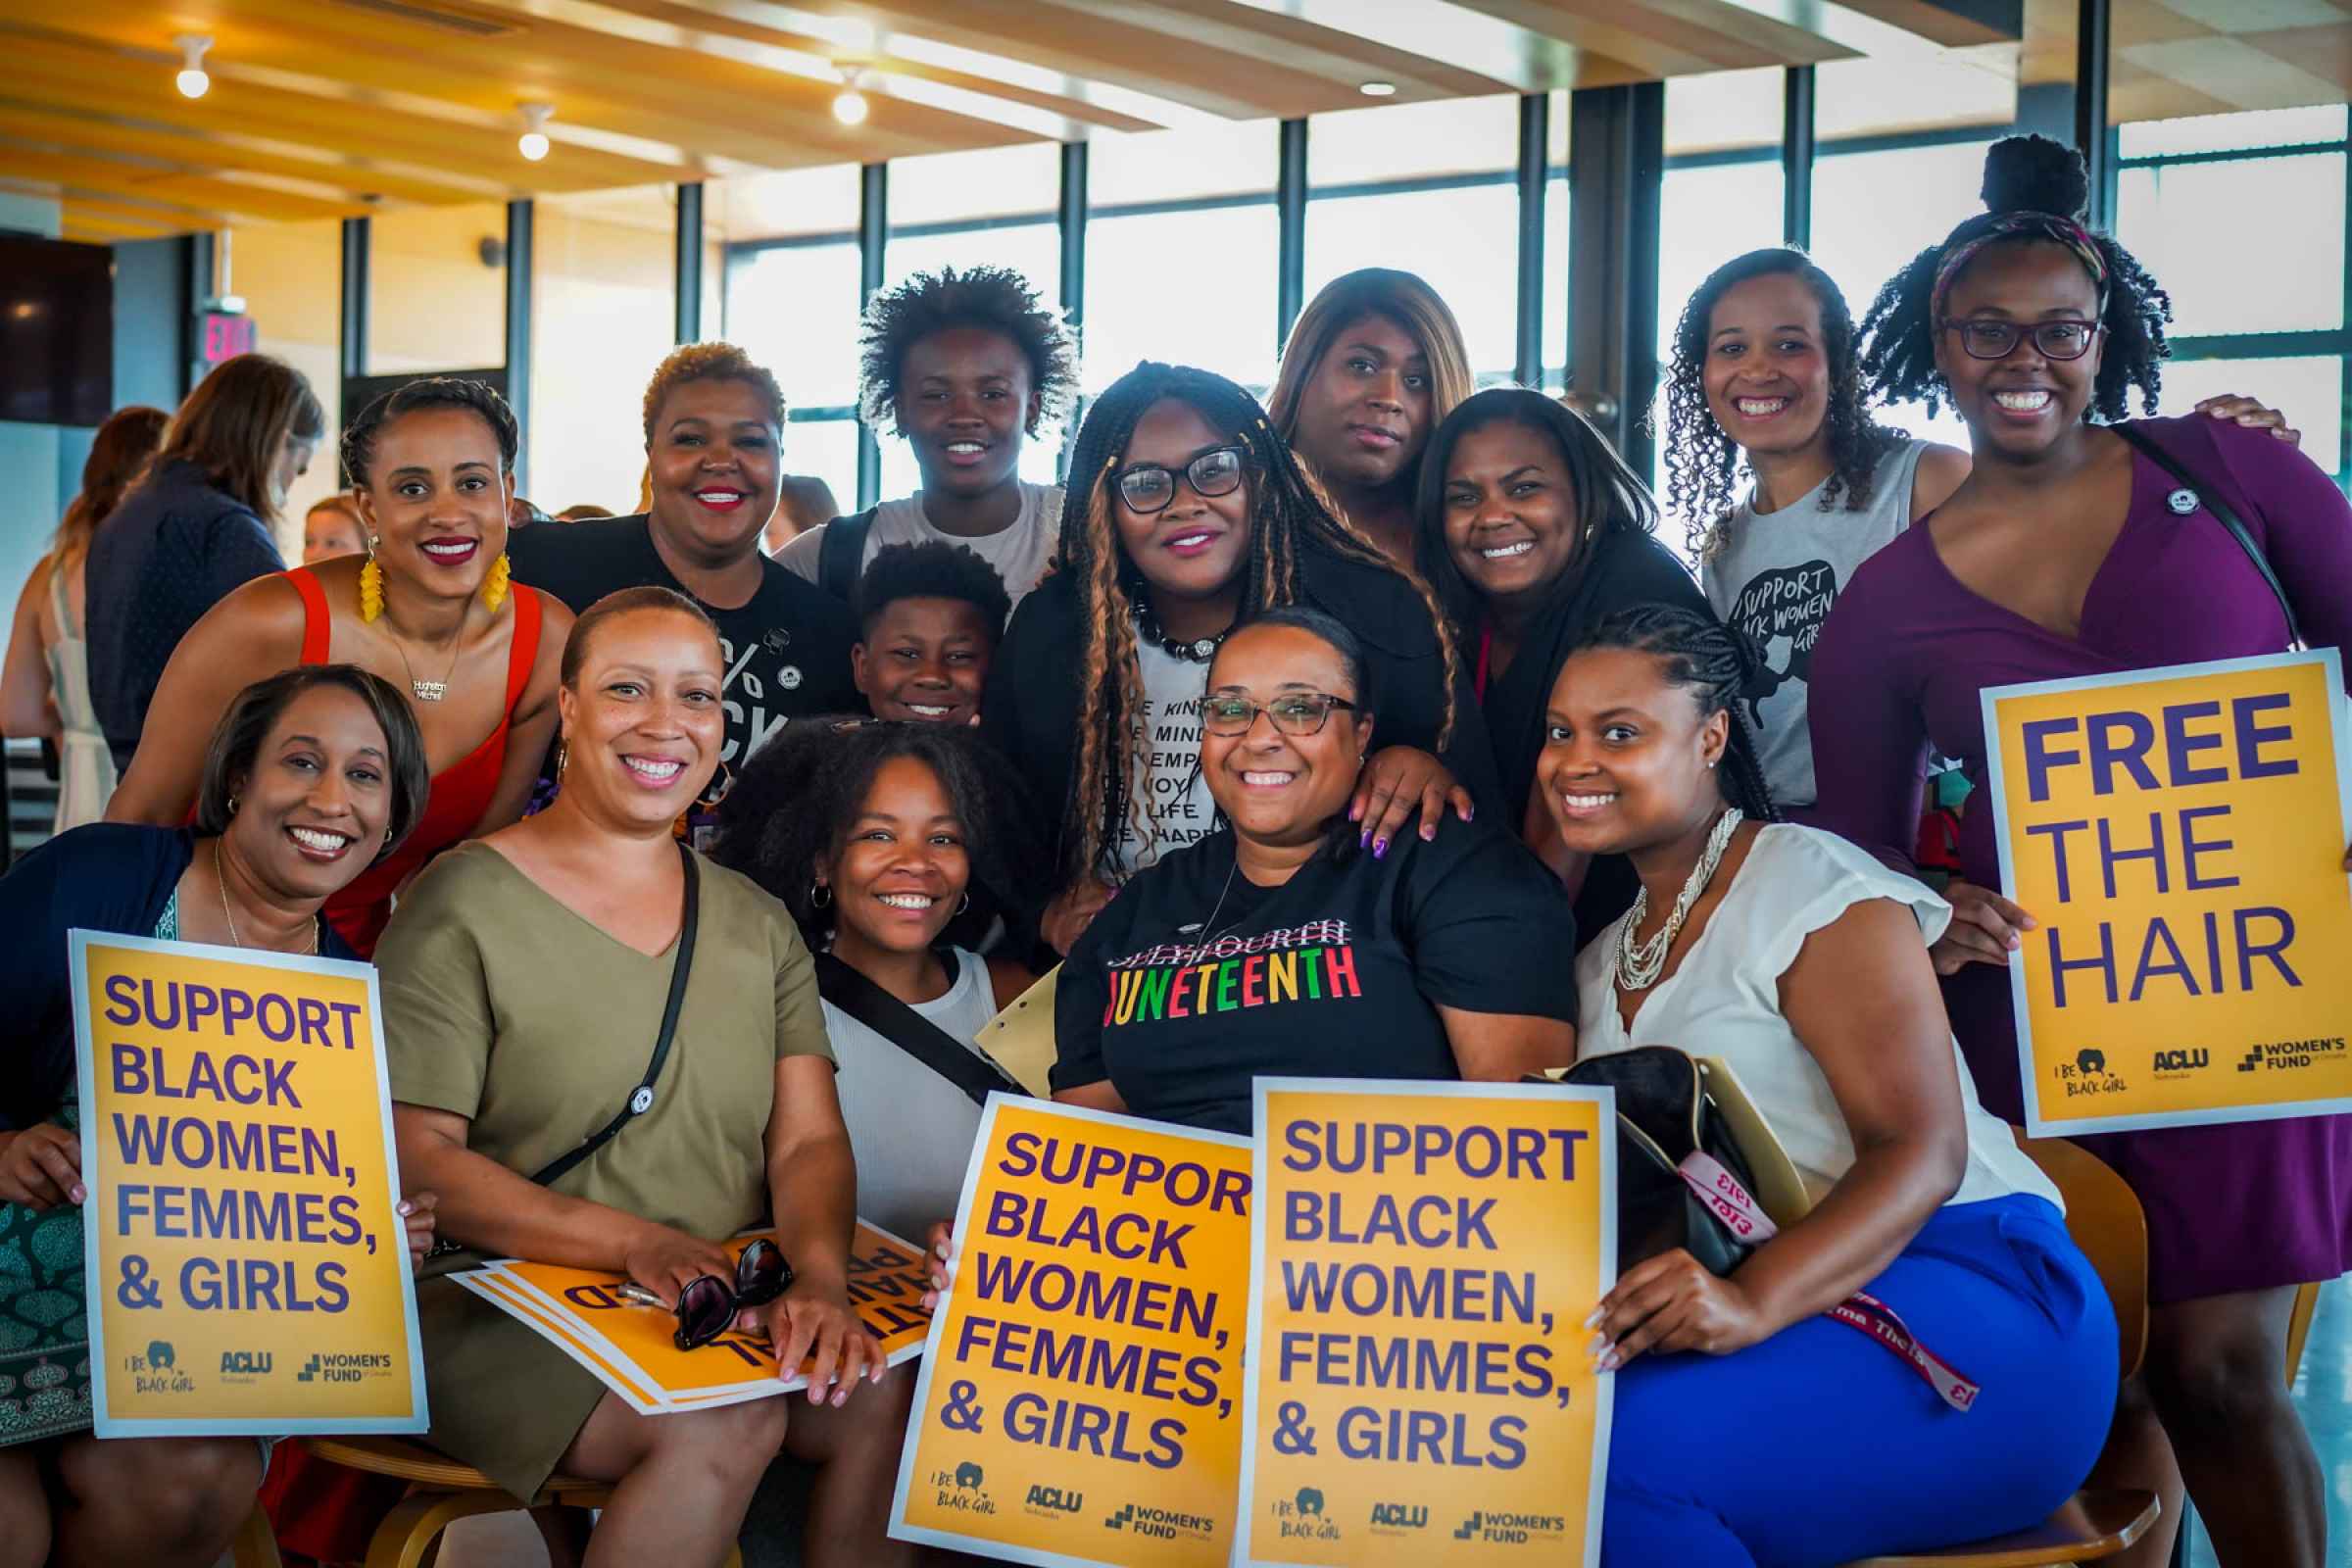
236 941
432 691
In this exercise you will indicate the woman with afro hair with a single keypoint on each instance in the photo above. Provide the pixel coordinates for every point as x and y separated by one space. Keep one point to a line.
1187 514
1766 377
2068 552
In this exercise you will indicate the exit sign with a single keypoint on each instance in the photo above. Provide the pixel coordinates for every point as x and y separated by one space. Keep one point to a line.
228 336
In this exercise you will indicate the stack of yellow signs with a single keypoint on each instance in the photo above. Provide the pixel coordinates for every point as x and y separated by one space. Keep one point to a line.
632 1348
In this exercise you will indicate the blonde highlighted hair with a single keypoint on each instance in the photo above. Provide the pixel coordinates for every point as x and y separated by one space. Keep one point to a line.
1397 297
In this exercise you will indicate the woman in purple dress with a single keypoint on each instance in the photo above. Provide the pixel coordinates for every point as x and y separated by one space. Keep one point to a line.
2059 557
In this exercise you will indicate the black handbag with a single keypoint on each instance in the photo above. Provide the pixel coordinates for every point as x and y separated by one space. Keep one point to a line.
1681 1179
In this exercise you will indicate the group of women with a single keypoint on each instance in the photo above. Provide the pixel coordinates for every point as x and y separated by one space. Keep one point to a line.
1368 732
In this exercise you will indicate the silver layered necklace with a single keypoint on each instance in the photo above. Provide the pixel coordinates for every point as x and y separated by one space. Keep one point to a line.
1639 963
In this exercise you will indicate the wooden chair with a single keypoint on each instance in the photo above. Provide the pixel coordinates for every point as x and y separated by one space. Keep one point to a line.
2299 1328
441 1491
2104 1218
1020 1039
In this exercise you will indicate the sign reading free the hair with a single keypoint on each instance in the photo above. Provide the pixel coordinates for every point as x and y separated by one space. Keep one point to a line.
2178 835
247 1265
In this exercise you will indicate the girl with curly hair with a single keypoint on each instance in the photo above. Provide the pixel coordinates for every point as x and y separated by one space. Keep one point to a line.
1188 514
2071 552
1767 379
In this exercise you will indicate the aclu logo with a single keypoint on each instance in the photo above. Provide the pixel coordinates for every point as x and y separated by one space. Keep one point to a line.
1048 1502
2089 1074
1160 1524
156 1372
962 1489
2287 1056
1396 1518
336 1366
2173 1064
1511 1529
1300 1516
243 1366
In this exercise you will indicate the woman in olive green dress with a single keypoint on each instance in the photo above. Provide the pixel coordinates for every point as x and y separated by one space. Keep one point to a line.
524 977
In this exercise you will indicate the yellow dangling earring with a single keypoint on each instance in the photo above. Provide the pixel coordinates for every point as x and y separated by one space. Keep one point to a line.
494 586
371 585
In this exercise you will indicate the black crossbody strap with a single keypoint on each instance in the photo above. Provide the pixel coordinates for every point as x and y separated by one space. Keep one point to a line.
2223 514
841 554
926 1042
641 1099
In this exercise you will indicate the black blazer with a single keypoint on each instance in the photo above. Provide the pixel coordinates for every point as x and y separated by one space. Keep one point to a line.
1030 706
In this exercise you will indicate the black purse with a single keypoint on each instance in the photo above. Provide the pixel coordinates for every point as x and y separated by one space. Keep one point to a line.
1680 1178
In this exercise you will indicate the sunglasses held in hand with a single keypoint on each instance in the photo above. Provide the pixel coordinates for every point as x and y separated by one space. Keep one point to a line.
708 1305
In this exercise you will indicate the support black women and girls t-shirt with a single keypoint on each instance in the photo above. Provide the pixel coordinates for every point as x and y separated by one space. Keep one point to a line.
1195 980
787 649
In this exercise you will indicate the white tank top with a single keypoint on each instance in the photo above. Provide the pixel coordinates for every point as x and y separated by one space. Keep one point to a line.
1725 1000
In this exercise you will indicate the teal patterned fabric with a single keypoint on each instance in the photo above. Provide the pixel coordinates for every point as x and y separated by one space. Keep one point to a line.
44 1319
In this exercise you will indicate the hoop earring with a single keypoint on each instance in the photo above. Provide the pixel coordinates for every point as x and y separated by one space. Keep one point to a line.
727 782
232 804
965 905
562 759
494 586
816 887
371 585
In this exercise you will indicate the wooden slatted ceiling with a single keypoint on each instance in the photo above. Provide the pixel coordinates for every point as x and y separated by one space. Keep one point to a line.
2178 58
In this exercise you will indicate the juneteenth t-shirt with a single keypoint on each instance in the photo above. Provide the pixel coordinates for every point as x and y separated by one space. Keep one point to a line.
1338 972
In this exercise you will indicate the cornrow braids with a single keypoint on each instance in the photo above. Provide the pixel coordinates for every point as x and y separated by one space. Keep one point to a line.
2035 190
1703 464
1719 665
430 392
1288 508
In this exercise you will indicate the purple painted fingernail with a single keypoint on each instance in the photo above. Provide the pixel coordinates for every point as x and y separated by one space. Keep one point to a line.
1380 848
1363 838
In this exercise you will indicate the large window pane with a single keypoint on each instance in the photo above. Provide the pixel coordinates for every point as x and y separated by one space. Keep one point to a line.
826 448
1198 287
1413 141
1463 242
1726 110
2309 391
1875 211
290 276
2195 227
437 289
993 183
2213 133
794 310
604 314
1556 262
1912 86
1033 250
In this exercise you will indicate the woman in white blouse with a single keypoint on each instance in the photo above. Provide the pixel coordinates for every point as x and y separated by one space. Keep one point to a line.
1805 963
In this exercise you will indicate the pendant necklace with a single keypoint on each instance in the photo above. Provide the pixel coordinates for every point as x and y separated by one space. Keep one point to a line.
1196 651
235 940
1639 964
432 690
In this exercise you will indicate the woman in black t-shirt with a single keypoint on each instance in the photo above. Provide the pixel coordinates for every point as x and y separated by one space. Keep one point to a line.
1279 944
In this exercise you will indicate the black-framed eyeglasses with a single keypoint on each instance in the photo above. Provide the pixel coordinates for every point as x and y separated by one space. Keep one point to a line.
2052 340
1292 713
1148 487
708 1304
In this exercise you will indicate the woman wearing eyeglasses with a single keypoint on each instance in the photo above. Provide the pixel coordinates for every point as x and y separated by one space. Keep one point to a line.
1187 514
1280 944
2067 554
541 979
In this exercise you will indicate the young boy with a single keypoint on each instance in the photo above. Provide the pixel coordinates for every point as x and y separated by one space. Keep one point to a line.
964 365
930 616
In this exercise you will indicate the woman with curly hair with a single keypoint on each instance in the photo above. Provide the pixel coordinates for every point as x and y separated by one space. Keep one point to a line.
2070 551
876 834
1766 377
1190 513
964 367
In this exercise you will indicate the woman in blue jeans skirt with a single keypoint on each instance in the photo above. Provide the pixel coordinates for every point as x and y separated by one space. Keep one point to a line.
1924 1358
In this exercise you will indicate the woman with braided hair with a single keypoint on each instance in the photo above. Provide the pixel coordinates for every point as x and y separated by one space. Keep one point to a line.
2070 551
1803 962
1766 377
1187 513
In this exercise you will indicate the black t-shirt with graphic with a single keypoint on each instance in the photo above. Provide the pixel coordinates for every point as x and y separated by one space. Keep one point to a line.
1180 1000
787 649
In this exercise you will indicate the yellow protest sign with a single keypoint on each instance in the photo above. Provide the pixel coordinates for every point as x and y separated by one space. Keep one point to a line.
633 1347
1422 1259
1080 1396
248 1267
2178 834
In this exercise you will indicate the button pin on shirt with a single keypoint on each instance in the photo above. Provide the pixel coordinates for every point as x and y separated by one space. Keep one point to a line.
2183 502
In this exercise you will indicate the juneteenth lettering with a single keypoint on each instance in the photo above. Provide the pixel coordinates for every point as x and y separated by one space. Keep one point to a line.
1023 1307
1448 1363
1312 962
2182 850
204 1208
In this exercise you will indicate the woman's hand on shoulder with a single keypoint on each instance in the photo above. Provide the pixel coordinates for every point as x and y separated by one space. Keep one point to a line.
40 1167
1072 910
1395 784
813 1323
1986 928
1668 1303
416 1215
2252 413
666 1261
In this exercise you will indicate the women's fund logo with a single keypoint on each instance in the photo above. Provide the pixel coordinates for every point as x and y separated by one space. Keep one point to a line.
158 1370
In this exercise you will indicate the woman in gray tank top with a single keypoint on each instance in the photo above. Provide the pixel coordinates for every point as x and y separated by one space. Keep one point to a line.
1765 376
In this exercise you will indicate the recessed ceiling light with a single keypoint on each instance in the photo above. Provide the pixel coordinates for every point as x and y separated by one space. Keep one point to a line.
193 82
1377 89
849 106
532 144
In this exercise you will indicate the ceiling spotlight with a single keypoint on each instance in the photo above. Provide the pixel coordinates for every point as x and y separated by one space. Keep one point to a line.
193 82
849 106
1377 89
532 144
